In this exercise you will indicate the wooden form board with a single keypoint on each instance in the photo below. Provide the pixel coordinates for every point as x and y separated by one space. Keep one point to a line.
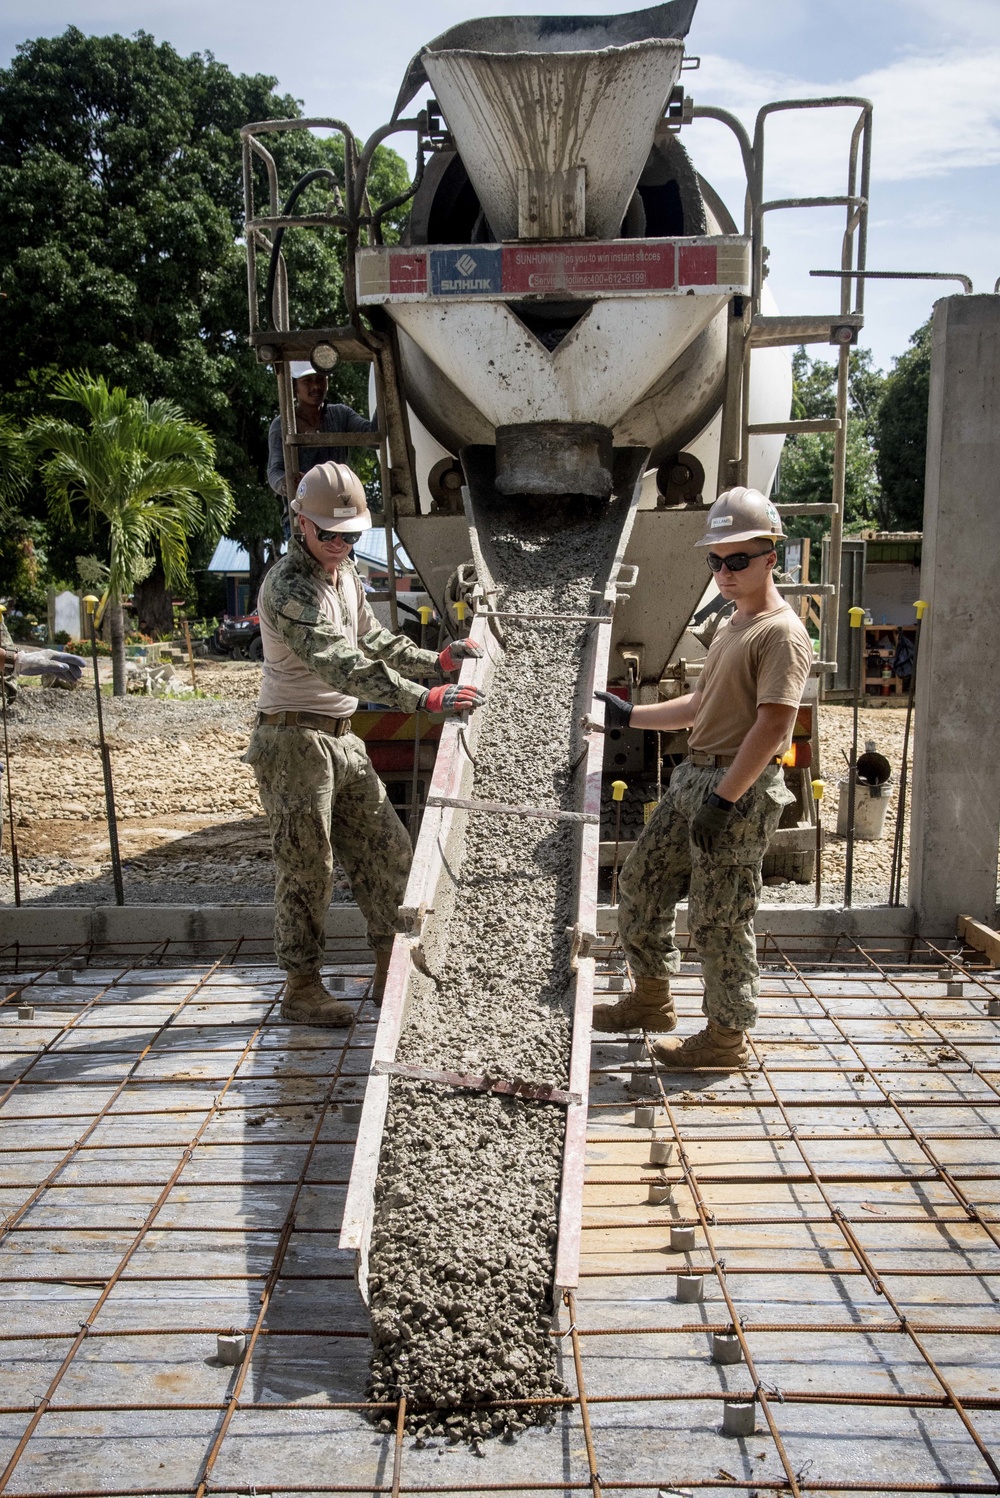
981 938
596 666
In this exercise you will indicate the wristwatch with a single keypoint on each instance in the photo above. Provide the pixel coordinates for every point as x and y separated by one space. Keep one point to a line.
713 799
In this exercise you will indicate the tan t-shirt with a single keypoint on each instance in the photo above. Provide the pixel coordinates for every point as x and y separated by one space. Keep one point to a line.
767 660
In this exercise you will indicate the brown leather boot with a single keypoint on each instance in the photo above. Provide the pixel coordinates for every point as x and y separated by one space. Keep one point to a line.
304 1001
382 956
715 1047
650 1007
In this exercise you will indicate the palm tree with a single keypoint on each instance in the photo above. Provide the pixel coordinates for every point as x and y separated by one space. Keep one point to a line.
13 467
144 470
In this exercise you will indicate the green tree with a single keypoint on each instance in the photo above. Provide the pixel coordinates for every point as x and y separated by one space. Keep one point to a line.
143 470
121 225
807 459
902 435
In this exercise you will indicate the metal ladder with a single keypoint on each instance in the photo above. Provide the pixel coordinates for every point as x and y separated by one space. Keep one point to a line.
750 328
353 342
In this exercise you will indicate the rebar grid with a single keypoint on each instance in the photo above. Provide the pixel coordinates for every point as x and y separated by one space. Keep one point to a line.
778 1091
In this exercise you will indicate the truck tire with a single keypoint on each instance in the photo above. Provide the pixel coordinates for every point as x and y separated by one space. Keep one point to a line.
255 650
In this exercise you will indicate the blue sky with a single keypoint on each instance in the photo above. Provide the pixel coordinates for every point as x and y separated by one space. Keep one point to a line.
933 71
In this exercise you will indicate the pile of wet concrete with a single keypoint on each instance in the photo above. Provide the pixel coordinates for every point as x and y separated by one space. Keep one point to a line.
462 1251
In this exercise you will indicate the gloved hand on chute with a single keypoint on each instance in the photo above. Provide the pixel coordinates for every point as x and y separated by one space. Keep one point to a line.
452 699
458 650
57 663
617 714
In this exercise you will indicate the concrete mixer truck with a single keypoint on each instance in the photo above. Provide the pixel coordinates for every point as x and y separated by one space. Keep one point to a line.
573 349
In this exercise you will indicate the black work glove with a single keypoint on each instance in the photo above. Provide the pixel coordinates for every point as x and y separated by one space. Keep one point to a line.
711 820
617 714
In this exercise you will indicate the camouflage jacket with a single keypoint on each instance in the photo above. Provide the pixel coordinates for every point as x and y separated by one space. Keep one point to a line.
9 656
309 615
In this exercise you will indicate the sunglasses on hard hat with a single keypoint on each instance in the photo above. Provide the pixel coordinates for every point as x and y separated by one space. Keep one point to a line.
351 537
738 562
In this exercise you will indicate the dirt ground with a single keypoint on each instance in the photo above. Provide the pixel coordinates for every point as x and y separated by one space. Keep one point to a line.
189 821
190 825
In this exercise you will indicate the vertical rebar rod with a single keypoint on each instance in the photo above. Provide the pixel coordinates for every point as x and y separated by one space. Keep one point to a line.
190 651
397 1455
831 604
618 834
857 657
14 856
818 802
109 790
896 870
581 1388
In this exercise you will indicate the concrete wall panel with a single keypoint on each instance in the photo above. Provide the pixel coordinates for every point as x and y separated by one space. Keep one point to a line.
956 762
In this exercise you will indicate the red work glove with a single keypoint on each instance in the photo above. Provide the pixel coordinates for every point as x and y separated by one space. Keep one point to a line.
452 699
457 651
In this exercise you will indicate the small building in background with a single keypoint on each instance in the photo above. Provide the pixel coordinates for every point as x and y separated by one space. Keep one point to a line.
232 563
892 575
891 588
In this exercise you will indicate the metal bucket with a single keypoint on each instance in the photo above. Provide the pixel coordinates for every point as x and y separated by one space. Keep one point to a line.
871 802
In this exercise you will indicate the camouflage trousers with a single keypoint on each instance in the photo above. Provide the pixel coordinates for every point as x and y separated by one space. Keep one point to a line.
723 889
325 804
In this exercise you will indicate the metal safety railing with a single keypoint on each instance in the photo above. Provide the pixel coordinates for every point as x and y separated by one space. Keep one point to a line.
752 328
276 341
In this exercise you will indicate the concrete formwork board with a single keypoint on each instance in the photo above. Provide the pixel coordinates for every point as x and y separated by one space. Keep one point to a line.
191 928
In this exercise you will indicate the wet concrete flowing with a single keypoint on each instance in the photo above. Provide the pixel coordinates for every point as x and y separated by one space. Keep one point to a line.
462 1250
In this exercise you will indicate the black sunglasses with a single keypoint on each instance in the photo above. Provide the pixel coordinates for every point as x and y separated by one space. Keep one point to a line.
351 537
738 562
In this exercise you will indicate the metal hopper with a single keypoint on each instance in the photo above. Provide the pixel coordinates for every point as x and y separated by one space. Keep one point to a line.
554 141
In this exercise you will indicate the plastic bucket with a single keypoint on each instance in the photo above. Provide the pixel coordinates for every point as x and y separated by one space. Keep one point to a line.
871 802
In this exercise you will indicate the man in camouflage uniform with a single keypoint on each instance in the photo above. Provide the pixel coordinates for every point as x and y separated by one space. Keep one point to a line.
323 649
709 833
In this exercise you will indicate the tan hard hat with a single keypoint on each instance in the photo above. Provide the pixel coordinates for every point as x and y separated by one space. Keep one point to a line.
740 515
333 497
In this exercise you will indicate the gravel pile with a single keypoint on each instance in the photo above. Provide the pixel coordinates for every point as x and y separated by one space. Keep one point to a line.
462 1246
872 857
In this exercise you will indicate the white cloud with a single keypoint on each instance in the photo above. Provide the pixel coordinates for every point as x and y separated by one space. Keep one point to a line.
970 21
933 115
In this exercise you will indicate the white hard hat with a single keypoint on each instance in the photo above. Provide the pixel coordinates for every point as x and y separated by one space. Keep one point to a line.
300 368
333 497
